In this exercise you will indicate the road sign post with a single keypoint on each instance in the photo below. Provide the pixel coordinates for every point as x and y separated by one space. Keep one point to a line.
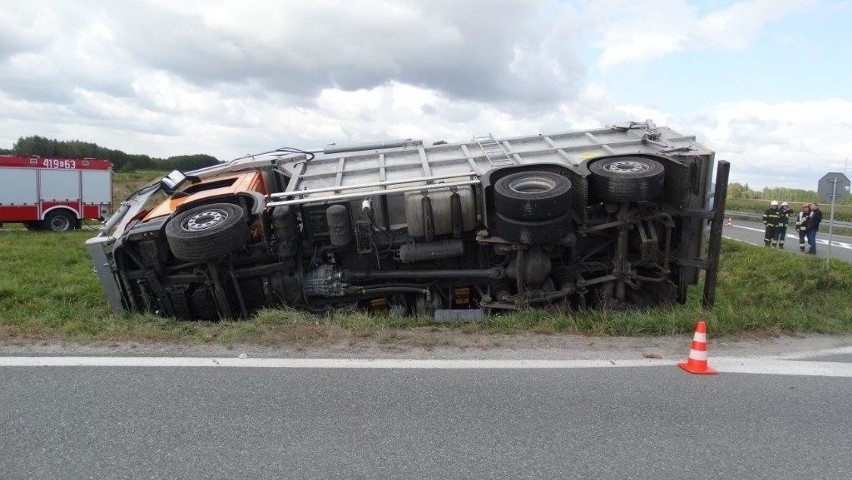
834 187
831 220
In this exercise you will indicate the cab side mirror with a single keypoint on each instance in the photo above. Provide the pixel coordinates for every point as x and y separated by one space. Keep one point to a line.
171 182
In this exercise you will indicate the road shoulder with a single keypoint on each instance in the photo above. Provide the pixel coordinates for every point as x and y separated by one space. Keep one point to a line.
458 345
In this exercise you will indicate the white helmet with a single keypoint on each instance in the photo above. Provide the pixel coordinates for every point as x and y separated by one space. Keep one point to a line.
774 203
785 204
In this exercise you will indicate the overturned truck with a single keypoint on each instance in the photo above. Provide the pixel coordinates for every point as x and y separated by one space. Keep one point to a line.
605 218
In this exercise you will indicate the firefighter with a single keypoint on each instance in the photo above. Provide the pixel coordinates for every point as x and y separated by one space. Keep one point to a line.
802 225
770 220
783 220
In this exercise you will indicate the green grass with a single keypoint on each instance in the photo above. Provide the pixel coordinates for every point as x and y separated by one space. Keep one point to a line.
125 183
50 292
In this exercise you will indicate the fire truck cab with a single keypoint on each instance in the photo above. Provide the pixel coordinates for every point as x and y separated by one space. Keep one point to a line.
54 194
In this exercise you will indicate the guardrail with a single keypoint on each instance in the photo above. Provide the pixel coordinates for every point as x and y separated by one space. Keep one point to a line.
759 217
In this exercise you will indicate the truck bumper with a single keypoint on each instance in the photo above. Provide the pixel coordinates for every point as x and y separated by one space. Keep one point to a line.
98 250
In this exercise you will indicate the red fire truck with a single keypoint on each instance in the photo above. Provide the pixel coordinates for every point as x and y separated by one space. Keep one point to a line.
54 193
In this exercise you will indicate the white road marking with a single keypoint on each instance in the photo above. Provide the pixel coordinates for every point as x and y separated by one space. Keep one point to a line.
318 363
816 353
749 228
819 241
781 367
741 240
763 366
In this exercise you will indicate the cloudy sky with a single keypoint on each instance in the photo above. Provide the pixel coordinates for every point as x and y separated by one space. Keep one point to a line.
766 83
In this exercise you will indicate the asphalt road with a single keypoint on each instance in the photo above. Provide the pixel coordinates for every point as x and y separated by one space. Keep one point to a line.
619 422
752 232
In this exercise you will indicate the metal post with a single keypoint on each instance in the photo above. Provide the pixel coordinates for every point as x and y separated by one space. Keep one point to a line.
831 220
715 246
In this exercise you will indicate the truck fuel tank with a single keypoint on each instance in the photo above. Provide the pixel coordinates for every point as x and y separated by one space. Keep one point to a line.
442 211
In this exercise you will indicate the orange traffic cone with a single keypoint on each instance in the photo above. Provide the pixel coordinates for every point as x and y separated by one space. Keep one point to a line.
697 361
730 222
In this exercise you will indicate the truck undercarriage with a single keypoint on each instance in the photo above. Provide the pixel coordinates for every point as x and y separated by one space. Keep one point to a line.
607 218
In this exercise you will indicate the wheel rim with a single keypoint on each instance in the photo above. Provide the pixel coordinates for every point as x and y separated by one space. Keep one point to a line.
204 220
59 223
532 185
626 166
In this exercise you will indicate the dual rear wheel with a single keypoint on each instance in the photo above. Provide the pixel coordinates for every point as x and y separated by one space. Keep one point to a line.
627 179
533 207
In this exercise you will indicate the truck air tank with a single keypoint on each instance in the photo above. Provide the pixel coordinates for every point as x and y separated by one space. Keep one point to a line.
425 251
339 230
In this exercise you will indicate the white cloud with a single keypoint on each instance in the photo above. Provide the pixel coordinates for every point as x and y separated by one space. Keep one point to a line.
637 32
783 144
164 77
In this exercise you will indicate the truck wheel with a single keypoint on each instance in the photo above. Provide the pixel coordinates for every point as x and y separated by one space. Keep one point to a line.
59 221
627 179
533 231
207 232
532 195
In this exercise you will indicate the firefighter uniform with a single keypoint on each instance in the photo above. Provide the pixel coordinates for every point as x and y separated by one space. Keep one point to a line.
771 218
802 226
783 220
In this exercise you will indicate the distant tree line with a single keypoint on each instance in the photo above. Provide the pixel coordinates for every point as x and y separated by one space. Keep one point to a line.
45 147
742 191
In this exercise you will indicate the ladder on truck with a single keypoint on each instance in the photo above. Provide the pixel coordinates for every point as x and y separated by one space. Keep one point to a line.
493 151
